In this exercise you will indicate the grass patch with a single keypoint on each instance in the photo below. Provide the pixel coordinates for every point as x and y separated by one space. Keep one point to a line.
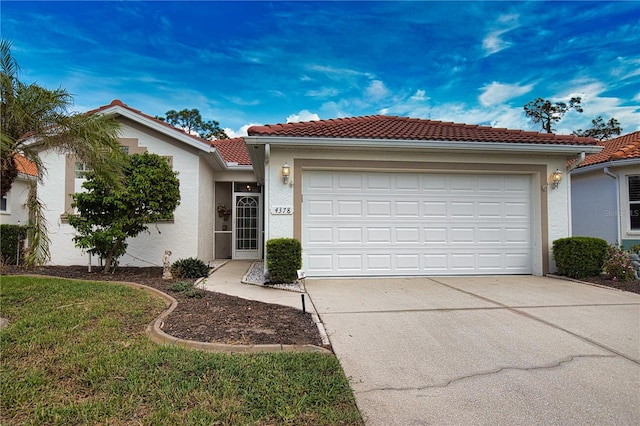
76 353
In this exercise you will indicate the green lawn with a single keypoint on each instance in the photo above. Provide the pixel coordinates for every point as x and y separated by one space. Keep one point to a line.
76 353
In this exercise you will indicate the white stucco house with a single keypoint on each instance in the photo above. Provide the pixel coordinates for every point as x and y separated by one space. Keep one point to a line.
13 205
366 196
605 192
210 174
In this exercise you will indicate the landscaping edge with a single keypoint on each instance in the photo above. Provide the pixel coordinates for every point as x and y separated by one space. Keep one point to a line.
157 335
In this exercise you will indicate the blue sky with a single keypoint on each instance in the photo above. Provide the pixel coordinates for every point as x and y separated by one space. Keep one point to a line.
244 63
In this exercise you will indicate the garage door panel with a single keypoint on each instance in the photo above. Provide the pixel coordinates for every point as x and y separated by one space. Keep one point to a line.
320 208
378 235
462 210
349 208
435 209
348 182
319 235
407 209
412 224
378 209
378 262
350 235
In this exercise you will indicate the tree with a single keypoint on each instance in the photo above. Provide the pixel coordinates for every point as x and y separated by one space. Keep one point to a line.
190 121
32 119
108 215
546 113
600 130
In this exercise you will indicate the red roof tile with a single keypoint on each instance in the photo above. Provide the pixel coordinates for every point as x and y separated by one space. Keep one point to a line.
621 148
406 128
233 151
25 166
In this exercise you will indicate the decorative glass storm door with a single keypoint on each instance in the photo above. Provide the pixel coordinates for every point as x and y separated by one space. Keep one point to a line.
247 230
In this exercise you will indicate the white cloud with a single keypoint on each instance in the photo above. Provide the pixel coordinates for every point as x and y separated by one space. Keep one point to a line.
303 115
376 90
242 131
324 92
419 96
496 92
594 105
493 41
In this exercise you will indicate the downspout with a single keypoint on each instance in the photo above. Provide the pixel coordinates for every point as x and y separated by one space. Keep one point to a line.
266 209
618 212
572 167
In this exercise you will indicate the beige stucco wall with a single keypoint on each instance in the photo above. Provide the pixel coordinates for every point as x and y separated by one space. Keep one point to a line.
551 214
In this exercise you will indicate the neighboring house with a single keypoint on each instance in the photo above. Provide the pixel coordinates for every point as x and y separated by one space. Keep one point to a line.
366 196
13 205
605 192
395 196
210 173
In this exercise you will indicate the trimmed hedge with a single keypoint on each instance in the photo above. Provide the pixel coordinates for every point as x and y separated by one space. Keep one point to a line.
284 258
10 237
580 257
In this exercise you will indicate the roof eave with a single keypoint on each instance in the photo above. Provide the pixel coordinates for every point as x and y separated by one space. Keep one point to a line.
173 133
522 147
602 165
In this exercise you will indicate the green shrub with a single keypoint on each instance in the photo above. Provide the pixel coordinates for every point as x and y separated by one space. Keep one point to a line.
12 237
580 257
189 268
284 258
618 266
181 286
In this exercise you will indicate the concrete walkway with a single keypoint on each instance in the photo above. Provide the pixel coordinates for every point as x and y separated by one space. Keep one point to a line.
227 279
487 350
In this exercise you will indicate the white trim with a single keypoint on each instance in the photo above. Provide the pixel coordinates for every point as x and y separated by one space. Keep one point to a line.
609 164
423 144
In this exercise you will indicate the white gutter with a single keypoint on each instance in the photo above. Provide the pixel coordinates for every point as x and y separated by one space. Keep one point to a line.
616 163
618 212
575 164
396 144
267 208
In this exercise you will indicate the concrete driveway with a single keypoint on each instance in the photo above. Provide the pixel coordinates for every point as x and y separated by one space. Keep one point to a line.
485 350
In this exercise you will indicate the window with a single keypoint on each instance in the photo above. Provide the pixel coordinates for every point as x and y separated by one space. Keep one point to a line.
634 202
81 169
4 203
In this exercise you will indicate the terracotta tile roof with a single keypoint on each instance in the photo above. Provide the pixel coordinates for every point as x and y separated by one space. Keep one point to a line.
25 166
406 128
621 148
233 151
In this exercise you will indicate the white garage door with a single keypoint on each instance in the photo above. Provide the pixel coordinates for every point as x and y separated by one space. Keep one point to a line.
374 223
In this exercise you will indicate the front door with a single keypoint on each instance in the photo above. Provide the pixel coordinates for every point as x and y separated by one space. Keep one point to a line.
247 232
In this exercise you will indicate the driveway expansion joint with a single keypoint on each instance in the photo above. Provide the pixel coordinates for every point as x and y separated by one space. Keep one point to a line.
499 370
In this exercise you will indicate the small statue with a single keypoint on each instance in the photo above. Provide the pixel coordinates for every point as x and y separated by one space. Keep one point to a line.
166 266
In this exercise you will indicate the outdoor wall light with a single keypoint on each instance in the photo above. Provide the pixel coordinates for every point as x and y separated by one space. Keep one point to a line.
556 178
286 172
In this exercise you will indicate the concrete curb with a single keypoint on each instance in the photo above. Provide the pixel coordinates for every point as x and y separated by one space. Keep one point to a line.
157 335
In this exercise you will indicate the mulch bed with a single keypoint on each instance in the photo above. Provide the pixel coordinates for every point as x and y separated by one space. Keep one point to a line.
633 286
208 316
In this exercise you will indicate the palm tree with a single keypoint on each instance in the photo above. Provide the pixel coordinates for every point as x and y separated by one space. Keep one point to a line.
34 119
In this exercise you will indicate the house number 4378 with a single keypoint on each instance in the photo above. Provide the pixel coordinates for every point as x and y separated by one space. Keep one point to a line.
281 210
